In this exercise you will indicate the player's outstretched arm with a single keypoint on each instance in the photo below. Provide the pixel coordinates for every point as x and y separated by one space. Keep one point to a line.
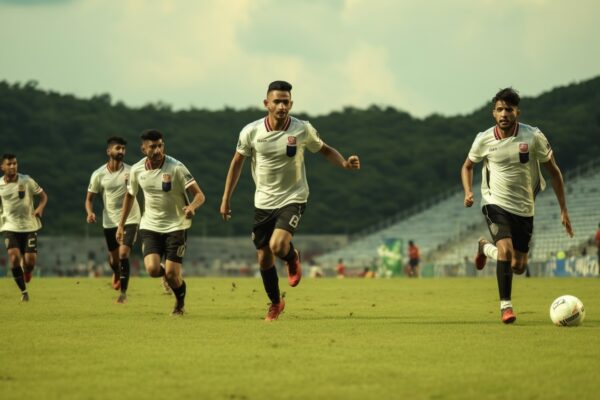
466 176
559 190
334 157
89 207
233 176
39 211
197 200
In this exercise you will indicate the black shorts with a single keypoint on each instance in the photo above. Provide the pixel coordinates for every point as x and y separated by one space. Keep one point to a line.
503 224
26 242
129 237
413 262
170 245
266 221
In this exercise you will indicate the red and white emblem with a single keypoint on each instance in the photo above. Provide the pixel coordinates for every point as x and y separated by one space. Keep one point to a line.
291 140
523 148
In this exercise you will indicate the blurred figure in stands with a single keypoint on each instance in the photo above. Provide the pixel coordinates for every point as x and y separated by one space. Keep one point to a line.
414 259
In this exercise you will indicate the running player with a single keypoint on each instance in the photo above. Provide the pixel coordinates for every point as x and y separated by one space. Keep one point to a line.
166 183
276 146
20 220
511 153
111 180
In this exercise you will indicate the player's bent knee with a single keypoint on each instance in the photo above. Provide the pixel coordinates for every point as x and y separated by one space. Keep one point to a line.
153 270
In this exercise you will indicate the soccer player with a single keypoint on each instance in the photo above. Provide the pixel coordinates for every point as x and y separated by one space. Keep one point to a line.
276 146
20 221
511 153
111 180
166 183
414 259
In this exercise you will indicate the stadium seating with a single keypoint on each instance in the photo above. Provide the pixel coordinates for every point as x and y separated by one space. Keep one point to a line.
447 232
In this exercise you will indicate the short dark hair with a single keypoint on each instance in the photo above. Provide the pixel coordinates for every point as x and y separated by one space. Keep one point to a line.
151 134
280 85
8 156
410 242
508 95
116 140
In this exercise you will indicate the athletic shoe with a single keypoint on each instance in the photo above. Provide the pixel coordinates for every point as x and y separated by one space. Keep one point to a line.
480 257
25 296
177 311
508 317
294 270
275 310
165 285
116 282
27 276
122 298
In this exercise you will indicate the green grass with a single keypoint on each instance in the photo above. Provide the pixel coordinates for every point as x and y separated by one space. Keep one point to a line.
338 339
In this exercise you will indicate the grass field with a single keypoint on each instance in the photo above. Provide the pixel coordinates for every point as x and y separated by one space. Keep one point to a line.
338 339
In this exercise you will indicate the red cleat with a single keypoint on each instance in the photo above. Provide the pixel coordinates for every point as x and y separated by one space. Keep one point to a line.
480 257
27 276
116 282
508 316
275 310
294 270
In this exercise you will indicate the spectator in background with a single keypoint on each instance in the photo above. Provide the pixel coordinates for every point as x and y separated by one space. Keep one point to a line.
598 245
340 268
414 259
315 270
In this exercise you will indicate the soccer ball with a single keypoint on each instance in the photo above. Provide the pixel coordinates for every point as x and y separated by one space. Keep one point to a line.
567 311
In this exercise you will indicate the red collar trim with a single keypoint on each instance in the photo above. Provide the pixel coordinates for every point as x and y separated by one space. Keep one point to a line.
7 181
148 165
497 135
285 127
110 170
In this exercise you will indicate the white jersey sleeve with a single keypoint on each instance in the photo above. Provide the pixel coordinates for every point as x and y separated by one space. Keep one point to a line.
244 146
133 184
184 175
313 141
541 147
95 186
476 154
33 186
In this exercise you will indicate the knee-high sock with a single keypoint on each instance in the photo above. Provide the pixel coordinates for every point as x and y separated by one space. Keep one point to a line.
19 279
271 283
180 294
124 276
504 276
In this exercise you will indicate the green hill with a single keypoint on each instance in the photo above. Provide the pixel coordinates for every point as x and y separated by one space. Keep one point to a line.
60 140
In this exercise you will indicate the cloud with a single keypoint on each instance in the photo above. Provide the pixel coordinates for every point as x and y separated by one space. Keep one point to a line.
423 57
30 3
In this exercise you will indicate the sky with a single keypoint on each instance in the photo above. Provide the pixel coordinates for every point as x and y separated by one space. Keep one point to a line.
424 57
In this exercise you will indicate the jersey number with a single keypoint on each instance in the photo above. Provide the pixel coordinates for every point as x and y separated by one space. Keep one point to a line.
294 221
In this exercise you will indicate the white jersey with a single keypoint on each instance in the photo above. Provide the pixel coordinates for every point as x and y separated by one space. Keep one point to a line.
17 204
511 167
113 185
278 160
164 194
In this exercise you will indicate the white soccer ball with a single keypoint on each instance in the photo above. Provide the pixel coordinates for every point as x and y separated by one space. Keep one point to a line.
567 311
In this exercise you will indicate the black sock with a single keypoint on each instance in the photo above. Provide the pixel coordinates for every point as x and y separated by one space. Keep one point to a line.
115 269
291 255
504 276
124 277
179 295
271 282
18 274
